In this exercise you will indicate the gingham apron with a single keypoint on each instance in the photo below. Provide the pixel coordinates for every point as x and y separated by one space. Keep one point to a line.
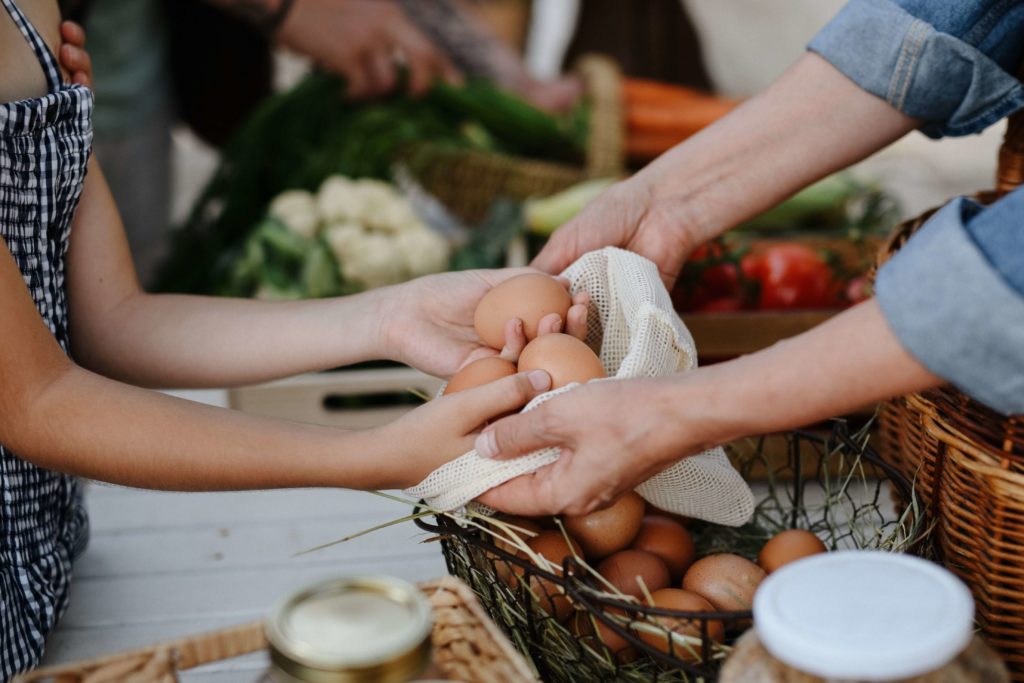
44 146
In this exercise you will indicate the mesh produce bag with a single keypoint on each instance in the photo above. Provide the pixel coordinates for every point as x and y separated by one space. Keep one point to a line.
638 334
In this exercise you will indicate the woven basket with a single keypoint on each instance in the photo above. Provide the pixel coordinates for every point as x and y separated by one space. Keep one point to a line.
968 465
468 647
468 181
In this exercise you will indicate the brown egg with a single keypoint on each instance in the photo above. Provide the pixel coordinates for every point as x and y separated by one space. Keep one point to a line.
688 646
552 546
589 628
478 373
564 357
726 581
528 297
627 568
603 532
505 569
655 510
669 541
788 546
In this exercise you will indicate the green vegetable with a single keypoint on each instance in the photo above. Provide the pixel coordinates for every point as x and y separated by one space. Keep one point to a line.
489 242
544 216
319 275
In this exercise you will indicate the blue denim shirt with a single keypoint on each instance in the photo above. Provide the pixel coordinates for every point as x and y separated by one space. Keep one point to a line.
954 295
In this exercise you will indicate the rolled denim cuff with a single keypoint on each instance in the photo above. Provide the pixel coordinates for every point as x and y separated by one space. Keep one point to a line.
953 87
954 312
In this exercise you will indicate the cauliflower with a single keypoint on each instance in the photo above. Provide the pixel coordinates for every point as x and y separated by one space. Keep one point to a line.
338 200
371 260
296 210
395 217
340 235
423 251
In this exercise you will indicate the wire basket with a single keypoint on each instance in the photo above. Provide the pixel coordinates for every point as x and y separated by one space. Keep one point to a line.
834 486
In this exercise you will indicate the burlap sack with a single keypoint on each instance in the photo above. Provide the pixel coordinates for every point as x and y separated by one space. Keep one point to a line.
639 334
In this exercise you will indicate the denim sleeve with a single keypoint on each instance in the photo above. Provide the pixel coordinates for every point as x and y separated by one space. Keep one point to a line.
954 296
946 62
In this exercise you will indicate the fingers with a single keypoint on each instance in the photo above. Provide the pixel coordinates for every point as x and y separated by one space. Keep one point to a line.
380 69
70 32
557 254
549 324
518 435
424 61
519 496
515 340
498 398
576 319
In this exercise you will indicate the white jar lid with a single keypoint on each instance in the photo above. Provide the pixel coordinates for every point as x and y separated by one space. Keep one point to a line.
865 615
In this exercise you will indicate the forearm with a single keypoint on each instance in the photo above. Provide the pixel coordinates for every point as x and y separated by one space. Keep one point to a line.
811 122
171 340
850 361
93 427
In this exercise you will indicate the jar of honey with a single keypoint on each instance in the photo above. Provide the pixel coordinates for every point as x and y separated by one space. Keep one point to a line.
856 616
356 629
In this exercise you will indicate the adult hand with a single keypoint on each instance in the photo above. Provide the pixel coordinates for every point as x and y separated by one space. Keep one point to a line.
426 438
613 435
428 322
73 57
625 215
365 41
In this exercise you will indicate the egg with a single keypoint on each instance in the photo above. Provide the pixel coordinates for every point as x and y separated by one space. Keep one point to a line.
669 540
726 581
627 569
685 643
527 529
603 532
480 372
589 628
552 546
528 297
564 357
788 546
655 510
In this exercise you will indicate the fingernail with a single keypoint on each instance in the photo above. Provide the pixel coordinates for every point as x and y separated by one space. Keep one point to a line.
558 325
539 379
486 445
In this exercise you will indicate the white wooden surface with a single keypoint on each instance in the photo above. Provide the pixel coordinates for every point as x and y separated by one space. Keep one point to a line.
165 565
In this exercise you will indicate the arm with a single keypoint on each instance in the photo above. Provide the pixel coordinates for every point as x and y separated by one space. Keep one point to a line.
120 331
359 39
63 417
808 124
850 361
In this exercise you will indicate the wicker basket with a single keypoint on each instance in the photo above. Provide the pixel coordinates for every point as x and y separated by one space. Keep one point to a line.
968 463
468 647
468 181
835 496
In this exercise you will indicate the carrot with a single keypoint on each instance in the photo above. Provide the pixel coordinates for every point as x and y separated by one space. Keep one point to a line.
645 145
636 90
689 116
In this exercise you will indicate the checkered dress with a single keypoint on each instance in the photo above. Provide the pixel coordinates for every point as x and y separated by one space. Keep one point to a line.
44 146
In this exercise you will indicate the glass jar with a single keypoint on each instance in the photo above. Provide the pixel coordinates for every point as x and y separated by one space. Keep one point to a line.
862 616
357 629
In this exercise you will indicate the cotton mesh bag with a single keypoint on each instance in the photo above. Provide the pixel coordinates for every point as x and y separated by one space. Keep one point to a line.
638 334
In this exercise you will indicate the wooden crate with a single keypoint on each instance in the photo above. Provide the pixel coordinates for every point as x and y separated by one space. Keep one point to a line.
320 398
725 335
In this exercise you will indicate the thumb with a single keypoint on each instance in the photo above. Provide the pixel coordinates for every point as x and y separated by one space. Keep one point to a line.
516 435
494 399
557 254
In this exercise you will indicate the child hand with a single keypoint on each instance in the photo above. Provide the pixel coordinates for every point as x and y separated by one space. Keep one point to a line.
73 56
440 431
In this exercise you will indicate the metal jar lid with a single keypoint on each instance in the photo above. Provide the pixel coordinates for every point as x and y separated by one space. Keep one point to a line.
352 629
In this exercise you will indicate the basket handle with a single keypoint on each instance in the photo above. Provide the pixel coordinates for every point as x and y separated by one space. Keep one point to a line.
602 82
1010 171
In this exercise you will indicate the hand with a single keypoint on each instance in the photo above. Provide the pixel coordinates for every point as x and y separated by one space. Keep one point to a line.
73 56
429 321
625 215
433 434
364 40
613 435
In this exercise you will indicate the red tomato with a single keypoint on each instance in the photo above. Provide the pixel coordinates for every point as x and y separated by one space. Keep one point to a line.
792 276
